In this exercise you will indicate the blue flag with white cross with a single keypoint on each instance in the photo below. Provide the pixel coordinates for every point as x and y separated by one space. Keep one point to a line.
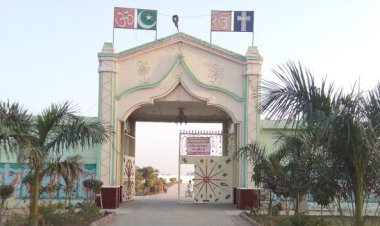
243 21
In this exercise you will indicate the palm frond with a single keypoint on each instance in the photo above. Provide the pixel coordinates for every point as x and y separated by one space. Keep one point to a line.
51 119
253 151
296 97
69 168
78 132
14 123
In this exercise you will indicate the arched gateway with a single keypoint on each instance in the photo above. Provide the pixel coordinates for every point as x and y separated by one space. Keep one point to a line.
153 82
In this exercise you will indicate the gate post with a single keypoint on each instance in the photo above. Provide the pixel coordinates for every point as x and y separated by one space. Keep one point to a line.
253 76
107 73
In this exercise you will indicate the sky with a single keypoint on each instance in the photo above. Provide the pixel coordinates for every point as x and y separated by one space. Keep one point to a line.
49 48
161 151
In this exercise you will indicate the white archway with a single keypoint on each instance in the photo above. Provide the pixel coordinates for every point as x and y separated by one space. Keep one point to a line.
151 82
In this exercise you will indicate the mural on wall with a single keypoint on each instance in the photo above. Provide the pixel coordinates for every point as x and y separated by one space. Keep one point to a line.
212 178
52 186
128 177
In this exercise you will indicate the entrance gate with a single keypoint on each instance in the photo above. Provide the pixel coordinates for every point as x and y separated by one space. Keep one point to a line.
155 81
211 154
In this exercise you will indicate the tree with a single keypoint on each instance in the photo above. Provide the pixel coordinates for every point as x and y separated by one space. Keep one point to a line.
93 187
70 169
344 127
287 171
267 171
149 175
173 179
297 160
48 135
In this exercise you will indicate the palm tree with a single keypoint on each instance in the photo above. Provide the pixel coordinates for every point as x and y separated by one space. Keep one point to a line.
48 135
70 169
149 174
287 171
343 126
296 157
355 143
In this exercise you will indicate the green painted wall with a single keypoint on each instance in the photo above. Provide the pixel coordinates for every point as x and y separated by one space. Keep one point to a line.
269 131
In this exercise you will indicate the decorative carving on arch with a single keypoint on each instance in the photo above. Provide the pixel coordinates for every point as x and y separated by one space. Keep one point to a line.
179 84
143 71
216 74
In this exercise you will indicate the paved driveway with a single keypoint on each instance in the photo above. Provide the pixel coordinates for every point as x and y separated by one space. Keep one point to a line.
165 210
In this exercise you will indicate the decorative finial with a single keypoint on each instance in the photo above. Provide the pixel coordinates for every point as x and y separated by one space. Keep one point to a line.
175 19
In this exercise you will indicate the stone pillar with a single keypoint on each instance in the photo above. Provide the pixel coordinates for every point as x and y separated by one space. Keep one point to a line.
107 73
253 76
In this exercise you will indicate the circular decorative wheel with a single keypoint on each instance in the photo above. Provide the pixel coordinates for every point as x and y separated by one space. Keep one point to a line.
210 180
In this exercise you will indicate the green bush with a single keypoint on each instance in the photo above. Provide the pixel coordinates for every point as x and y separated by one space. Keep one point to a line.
55 214
17 219
52 214
93 187
87 212
5 192
301 219
173 179
275 210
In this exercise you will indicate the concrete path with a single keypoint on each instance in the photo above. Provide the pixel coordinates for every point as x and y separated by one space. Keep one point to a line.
165 210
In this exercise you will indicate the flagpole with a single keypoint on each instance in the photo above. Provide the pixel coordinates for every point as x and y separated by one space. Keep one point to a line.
211 28
113 36
252 37
253 26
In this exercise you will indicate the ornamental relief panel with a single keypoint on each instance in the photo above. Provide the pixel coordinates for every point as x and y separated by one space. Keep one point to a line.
128 178
216 74
143 71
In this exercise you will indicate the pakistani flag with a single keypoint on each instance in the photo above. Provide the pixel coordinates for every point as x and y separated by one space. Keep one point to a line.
146 19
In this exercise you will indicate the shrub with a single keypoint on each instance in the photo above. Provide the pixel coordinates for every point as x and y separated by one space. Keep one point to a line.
93 187
87 212
173 179
55 214
5 192
301 219
17 219
52 214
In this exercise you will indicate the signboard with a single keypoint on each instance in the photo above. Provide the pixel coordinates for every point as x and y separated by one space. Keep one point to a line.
198 145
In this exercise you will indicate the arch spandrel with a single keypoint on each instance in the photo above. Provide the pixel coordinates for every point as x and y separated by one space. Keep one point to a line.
144 69
134 98
214 70
140 70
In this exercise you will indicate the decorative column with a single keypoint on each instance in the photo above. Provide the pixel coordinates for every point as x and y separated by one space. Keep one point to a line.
253 76
107 73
